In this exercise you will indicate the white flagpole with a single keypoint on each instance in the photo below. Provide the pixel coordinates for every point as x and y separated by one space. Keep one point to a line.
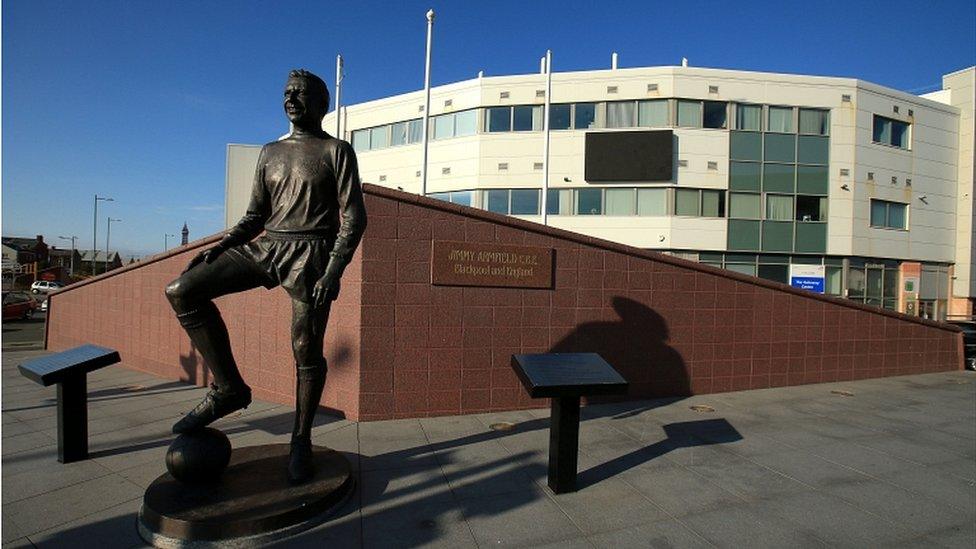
545 129
426 121
338 96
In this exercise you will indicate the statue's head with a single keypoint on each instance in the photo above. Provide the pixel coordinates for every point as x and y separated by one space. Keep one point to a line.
306 98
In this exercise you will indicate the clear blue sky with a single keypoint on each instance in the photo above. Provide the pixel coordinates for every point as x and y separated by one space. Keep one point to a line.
138 99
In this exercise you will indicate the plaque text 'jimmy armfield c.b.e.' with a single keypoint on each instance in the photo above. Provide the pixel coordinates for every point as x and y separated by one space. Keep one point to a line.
486 264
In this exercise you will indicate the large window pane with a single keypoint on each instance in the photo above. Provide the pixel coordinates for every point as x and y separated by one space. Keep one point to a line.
621 114
527 118
811 208
899 134
882 130
689 114
814 121
446 197
776 273
465 123
584 115
463 198
812 150
811 179
416 132
525 202
653 114
742 268
879 213
856 283
780 120
500 119
744 176
779 208
779 178
360 140
686 202
443 126
748 117
716 113
620 202
497 201
398 134
745 146
780 148
589 201
890 282
559 116
896 215
833 278
713 204
652 202
744 206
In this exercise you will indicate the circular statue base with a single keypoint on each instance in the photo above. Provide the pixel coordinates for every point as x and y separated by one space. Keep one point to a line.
250 505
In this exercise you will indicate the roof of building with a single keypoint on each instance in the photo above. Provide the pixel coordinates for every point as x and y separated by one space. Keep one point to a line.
99 255
22 242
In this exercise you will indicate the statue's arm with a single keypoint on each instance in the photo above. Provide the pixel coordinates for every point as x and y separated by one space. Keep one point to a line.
352 210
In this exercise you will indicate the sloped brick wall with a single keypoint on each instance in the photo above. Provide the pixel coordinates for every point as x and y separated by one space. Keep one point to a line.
671 327
400 347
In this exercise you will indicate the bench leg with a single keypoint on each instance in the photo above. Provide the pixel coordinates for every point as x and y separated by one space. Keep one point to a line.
73 419
564 444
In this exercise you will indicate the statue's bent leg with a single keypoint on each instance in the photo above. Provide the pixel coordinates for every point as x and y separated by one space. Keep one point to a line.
191 296
308 334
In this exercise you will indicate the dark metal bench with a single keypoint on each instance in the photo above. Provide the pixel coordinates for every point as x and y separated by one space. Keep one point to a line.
565 377
69 369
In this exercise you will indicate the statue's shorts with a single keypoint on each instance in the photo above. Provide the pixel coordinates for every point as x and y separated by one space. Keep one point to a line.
294 261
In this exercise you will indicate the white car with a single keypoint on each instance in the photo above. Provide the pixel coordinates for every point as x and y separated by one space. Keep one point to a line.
44 287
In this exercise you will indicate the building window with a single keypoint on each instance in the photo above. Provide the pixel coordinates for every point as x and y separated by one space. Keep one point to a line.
745 205
463 198
620 201
525 202
560 116
780 120
690 114
715 114
584 116
748 117
686 202
527 118
779 207
811 208
559 202
713 203
699 203
653 114
814 122
889 215
443 126
465 123
496 201
500 119
652 202
891 132
360 140
379 138
621 114
589 201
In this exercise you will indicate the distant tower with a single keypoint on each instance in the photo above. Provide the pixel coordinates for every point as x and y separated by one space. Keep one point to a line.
186 235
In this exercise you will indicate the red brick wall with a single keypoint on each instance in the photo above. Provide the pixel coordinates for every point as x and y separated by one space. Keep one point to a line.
400 347
671 327
128 311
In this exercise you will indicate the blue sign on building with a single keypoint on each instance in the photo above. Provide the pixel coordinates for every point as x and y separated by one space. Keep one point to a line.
813 284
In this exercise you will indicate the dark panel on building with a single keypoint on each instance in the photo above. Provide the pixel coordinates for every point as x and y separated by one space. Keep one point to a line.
629 156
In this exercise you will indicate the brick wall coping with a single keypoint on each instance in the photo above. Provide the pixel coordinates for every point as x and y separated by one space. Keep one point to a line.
501 219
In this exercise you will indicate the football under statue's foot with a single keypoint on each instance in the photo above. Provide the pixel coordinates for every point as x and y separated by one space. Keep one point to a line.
214 406
301 462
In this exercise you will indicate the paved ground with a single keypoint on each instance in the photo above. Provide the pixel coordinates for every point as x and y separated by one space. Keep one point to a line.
890 463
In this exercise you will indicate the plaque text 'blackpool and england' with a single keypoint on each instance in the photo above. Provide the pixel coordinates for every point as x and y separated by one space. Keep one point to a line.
476 264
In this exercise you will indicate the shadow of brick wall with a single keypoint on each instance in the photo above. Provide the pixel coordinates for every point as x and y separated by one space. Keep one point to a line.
127 310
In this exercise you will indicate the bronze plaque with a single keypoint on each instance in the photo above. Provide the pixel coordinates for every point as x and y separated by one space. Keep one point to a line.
488 264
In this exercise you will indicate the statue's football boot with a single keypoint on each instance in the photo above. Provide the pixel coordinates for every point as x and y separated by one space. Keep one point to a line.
214 406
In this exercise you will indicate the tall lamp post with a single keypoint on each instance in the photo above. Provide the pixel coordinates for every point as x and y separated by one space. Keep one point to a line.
108 234
166 241
72 239
95 229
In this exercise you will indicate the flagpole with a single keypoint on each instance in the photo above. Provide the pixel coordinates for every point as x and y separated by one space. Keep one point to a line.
426 120
545 129
338 96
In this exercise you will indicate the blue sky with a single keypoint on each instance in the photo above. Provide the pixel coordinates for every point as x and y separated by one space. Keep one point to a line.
138 99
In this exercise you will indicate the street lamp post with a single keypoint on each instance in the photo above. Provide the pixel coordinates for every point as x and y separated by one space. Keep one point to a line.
95 229
166 241
72 239
108 234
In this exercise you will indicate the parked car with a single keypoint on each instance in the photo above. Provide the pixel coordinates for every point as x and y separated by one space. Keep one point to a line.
968 328
18 305
45 286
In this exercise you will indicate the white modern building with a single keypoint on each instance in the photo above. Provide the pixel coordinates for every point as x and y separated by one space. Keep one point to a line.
835 184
